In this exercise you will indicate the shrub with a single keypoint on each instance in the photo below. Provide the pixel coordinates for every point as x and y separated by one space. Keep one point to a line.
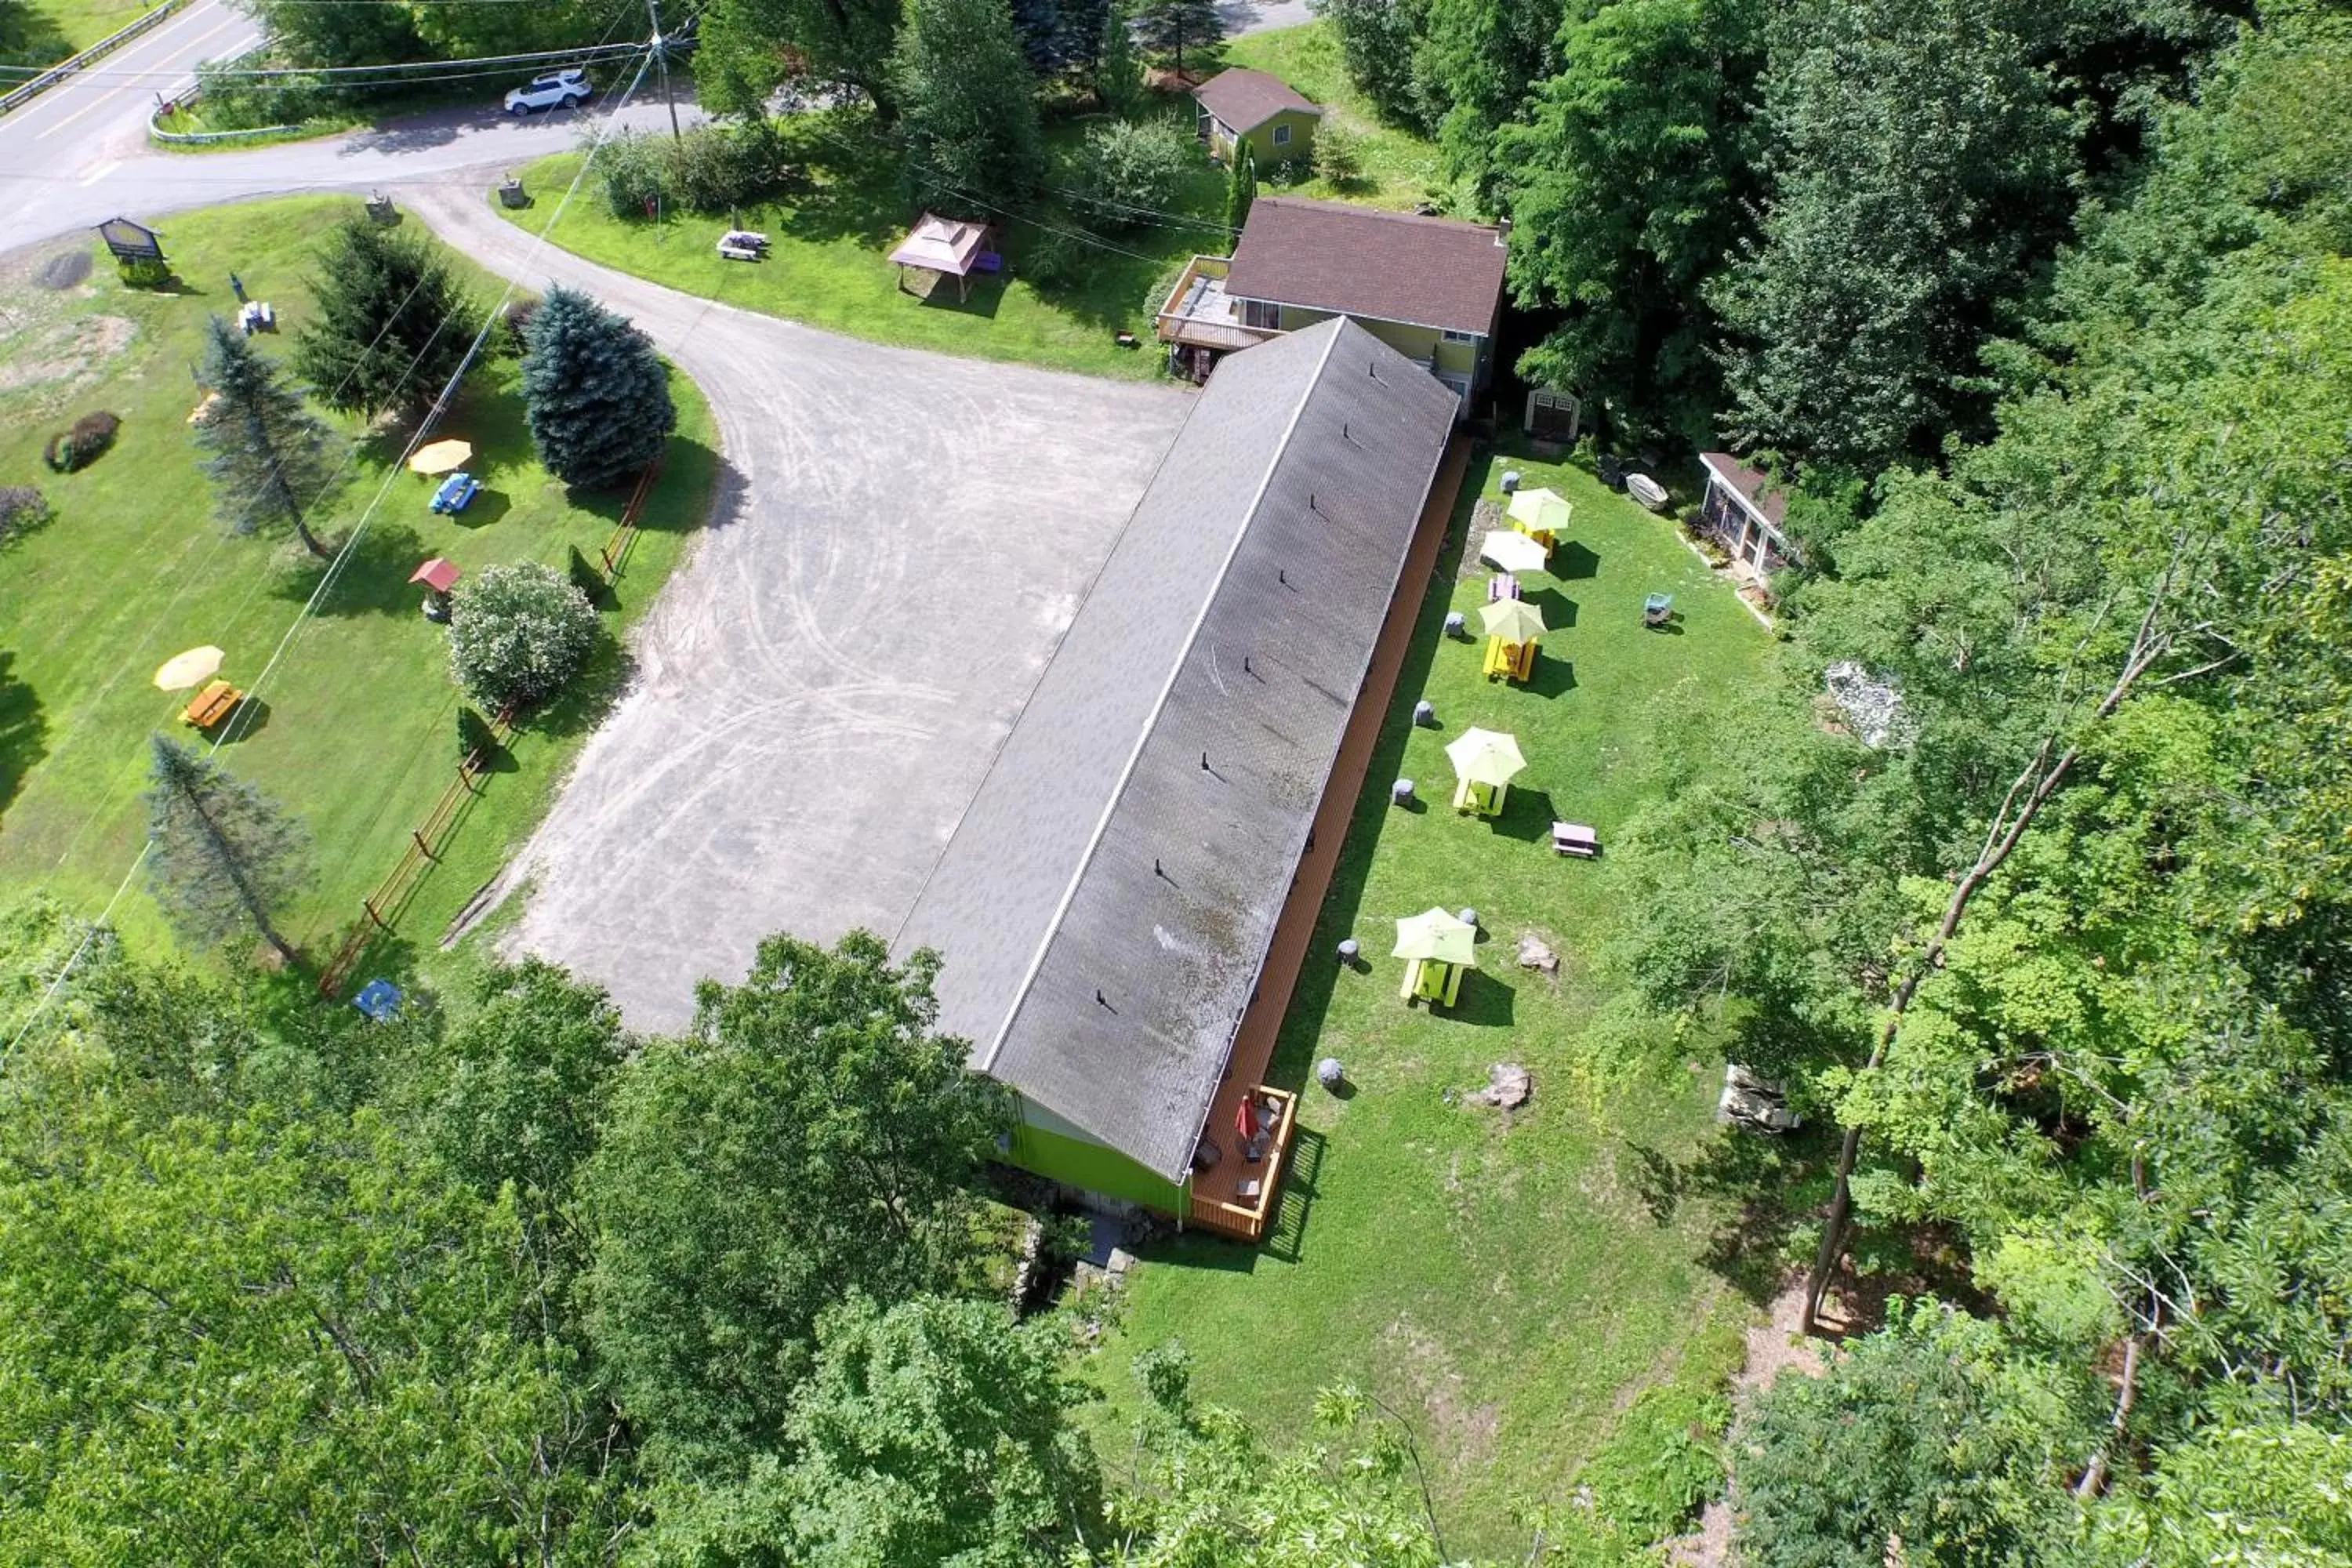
519 634
713 169
1661 1464
146 274
1131 169
83 445
22 510
1338 156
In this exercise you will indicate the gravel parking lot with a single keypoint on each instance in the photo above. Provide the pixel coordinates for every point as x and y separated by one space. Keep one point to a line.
901 539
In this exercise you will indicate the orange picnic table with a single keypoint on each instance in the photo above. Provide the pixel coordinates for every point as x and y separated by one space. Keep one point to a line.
213 704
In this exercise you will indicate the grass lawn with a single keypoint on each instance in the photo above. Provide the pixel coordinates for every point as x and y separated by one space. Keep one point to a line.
43 32
357 736
1509 1284
1400 169
829 265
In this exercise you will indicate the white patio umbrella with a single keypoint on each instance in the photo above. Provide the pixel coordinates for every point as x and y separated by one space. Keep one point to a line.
1513 620
1486 756
1512 551
194 667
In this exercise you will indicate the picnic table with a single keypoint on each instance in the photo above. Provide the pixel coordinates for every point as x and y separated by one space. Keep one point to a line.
742 244
1575 838
216 702
456 492
257 316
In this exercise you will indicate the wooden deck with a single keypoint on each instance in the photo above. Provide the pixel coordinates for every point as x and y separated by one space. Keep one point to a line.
1235 1196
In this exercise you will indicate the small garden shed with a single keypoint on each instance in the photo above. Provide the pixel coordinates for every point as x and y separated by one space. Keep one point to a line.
1241 105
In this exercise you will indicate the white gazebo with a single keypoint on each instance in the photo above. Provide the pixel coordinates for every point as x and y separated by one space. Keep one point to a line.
953 247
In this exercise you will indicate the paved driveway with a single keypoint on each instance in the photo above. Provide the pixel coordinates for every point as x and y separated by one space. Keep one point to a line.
902 537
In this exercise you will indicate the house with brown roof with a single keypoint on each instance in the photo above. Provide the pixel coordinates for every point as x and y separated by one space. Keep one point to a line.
1243 105
1429 288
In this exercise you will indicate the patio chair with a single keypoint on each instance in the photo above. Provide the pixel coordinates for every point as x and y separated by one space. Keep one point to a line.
1658 609
1502 585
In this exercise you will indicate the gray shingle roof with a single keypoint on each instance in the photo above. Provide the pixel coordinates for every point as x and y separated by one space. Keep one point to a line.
1360 261
1245 99
1048 893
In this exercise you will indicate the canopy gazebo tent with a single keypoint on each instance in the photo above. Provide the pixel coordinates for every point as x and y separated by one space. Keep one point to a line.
1436 947
953 247
1485 761
1512 626
1541 514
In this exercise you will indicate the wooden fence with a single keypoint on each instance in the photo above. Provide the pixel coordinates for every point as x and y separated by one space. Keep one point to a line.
381 910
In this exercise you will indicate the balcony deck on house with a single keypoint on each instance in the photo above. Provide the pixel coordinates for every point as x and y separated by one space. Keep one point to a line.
1200 314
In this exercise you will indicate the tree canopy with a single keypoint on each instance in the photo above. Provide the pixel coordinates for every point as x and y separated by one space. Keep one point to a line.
392 324
595 393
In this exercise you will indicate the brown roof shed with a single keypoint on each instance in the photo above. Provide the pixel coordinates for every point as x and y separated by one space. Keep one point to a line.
1245 99
1361 261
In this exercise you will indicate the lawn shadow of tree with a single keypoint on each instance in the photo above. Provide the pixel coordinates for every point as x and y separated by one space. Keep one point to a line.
1573 563
1527 815
24 732
583 704
1551 676
373 579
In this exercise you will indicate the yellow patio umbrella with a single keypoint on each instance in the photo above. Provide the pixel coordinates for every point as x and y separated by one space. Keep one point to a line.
441 456
1540 512
192 668
1511 550
1437 937
1513 620
1486 756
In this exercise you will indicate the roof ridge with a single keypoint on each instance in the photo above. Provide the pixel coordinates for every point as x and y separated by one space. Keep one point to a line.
987 1059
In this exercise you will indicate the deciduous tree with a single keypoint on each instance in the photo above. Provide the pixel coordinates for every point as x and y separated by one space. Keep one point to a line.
810 1136
968 108
519 634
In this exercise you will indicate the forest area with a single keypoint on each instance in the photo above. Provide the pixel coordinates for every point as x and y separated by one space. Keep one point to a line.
2043 312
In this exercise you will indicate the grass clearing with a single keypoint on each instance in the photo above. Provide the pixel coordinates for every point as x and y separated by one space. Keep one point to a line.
1509 1284
43 32
829 264
1401 169
358 737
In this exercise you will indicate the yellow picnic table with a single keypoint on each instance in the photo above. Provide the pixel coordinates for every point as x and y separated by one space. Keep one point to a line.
213 704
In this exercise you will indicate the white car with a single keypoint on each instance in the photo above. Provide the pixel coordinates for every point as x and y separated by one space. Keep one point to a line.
556 90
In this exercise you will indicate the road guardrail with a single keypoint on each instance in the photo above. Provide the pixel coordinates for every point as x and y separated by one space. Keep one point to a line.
106 46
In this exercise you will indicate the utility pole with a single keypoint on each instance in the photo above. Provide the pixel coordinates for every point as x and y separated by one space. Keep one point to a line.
661 59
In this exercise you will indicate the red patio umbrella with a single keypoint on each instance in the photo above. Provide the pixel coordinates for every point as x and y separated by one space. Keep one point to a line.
438 574
1244 1125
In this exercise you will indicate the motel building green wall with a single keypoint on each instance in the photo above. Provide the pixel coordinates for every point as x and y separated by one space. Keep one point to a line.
1045 1145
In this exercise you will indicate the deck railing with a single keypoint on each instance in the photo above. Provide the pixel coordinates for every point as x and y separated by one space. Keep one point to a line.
1249 1221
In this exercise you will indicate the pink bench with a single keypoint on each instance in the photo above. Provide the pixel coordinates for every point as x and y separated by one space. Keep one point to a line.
1575 838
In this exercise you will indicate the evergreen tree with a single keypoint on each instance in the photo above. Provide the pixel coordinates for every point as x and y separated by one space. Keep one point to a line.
392 324
268 454
596 393
1118 71
1241 187
1038 25
221 855
970 112
1167 28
